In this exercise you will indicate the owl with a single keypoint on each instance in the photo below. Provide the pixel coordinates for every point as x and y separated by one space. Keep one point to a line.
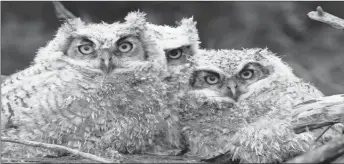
94 87
240 105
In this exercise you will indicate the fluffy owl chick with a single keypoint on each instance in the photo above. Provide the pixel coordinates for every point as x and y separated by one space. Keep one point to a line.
74 66
129 113
257 128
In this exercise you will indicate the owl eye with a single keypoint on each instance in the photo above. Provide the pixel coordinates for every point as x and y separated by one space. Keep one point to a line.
246 74
86 49
212 79
175 54
125 47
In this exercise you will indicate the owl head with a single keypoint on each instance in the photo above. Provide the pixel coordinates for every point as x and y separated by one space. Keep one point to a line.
103 47
246 72
180 43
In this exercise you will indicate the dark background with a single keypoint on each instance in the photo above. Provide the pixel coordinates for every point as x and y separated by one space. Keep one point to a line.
314 49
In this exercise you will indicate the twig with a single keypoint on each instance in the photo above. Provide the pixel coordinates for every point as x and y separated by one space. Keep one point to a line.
327 18
59 147
318 113
322 133
325 153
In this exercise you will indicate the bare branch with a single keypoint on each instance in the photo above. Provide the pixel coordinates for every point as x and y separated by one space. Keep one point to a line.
326 153
59 147
62 12
327 18
318 113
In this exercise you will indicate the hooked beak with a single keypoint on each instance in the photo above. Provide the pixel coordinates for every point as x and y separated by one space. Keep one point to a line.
106 63
233 90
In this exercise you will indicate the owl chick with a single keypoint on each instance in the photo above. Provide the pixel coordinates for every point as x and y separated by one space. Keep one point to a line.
241 107
91 89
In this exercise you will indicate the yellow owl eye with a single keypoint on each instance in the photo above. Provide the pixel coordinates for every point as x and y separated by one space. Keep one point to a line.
125 47
246 74
86 49
212 79
175 54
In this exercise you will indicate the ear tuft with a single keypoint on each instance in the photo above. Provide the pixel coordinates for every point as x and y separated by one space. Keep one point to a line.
189 27
73 24
189 24
137 19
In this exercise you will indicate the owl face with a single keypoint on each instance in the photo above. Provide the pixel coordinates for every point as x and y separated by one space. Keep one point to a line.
104 55
211 84
248 71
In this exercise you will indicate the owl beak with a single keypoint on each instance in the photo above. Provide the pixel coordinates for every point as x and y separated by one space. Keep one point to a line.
233 91
106 63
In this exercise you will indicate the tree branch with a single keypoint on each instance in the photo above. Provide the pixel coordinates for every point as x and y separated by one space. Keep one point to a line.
327 18
326 153
318 113
59 147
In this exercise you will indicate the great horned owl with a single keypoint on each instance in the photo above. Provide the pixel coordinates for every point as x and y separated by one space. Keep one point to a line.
94 84
241 106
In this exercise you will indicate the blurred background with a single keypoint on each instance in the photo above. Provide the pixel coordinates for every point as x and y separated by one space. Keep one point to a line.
314 50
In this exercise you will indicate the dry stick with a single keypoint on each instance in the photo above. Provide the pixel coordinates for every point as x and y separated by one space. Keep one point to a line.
325 153
323 133
327 18
58 147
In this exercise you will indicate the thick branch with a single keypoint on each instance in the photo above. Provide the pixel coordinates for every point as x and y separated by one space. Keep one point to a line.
327 18
318 113
58 147
326 153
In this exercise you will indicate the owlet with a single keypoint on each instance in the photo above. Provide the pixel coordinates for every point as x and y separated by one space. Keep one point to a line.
94 86
240 107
